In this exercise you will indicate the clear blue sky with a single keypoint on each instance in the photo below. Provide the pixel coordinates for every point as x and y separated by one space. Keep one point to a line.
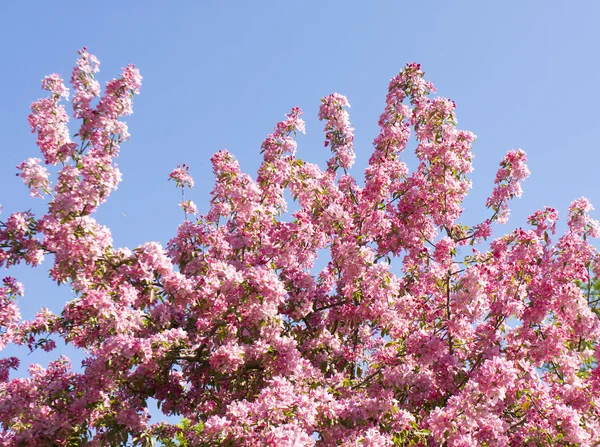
221 74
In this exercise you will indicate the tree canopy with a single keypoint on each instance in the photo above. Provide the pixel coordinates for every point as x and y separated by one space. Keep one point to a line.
419 330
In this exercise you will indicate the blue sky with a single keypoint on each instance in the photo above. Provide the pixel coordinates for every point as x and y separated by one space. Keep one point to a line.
221 74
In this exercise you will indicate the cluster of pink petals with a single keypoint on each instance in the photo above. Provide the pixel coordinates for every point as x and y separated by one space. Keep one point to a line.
278 151
339 134
35 176
49 120
401 337
181 176
18 240
512 171
189 207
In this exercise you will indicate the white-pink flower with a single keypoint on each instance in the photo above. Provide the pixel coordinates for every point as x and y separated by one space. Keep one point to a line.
35 176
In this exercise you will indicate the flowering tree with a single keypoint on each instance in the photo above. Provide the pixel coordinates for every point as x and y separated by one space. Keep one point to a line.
412 334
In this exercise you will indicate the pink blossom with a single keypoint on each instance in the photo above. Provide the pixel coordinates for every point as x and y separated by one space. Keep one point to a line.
338 132
512 171
34 176
182 177
54 83
227 358
189 207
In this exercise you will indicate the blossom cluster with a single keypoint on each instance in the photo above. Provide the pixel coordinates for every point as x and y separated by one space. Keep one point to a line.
181 176
338 132
34 176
